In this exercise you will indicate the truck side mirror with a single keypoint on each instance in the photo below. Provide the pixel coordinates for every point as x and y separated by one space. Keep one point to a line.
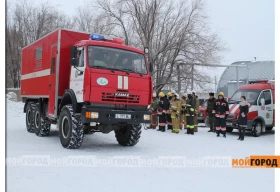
262 102
74 51
151 67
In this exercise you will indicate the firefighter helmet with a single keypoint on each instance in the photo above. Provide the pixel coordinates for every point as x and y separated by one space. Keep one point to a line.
161 94
221 94
170 94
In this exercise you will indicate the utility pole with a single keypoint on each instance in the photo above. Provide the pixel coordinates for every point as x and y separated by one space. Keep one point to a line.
237 78
179 77
192 75
215 84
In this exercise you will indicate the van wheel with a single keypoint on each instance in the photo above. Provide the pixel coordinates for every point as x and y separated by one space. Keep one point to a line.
29 119
128 135
41 128
257 129
71 130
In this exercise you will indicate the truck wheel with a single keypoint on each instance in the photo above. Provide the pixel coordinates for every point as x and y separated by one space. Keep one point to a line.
30 112
229 129
41 128
128 135
257 129
71 131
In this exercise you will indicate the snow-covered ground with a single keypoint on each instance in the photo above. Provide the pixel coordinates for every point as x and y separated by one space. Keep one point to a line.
81 173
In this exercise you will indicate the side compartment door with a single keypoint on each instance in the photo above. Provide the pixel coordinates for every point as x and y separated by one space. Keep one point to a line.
266 110
52 82
77 76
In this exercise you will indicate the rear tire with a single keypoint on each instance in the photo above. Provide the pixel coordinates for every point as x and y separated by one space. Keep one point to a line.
128 135
71 131
29 119
257 129
41 128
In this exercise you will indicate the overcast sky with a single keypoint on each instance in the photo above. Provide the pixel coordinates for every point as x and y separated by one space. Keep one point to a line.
246 26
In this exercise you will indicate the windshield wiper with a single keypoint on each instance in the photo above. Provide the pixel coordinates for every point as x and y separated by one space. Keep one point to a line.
103 67
129 70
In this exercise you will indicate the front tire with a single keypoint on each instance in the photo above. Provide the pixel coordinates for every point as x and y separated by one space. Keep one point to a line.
41 128
128 135
71 131
257 129
29 119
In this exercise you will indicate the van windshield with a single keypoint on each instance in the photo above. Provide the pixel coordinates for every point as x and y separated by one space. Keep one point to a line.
251 96
116 59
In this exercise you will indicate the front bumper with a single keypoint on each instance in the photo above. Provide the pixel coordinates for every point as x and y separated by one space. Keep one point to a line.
107 116
233 124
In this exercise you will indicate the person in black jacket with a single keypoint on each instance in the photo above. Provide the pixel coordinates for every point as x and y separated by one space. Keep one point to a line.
163 107
242 118
221 111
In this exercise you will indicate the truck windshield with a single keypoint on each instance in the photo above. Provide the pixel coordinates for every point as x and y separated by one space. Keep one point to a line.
116 59
251 96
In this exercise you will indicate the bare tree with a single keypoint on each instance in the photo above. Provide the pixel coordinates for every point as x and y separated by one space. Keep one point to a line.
26 23
174 33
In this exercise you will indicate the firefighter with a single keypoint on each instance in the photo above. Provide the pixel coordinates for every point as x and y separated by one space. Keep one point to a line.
211 117
168 116
221 111
153 107
183 119
175 109
196 101
190 114
163 106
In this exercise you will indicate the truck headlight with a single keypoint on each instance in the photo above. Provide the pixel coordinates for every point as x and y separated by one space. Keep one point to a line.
147 117
92 115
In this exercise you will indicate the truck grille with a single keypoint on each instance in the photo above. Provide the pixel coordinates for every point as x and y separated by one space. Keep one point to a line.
110 97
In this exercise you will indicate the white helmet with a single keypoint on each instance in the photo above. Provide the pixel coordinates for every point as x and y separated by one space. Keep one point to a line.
154 94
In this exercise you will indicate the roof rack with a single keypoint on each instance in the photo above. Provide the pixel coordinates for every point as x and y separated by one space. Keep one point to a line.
258 81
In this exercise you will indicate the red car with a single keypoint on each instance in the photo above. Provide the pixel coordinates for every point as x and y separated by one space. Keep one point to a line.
202 115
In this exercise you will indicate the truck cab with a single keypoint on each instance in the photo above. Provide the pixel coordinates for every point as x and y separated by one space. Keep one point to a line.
85 83
260 94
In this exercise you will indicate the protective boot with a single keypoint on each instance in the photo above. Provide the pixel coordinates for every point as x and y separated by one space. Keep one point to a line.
192 131
239 128
159 128
224 134
242 134
218 133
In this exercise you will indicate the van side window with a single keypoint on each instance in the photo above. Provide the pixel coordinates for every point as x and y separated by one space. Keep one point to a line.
81 57
267 97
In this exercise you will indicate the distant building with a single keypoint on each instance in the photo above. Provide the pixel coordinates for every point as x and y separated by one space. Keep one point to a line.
256 70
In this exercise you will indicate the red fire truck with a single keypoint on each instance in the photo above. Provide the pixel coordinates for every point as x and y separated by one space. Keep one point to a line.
261 117
85 83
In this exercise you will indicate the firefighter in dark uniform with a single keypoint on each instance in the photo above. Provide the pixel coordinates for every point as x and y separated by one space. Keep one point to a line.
211 117
175 111
168 115
195 111
183 119
221 111
153 107
163 106
190 114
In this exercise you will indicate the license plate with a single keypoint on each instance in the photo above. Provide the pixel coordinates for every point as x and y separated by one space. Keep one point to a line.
229 124
123 116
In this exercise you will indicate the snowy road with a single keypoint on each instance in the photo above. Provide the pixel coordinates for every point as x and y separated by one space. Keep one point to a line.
143 179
